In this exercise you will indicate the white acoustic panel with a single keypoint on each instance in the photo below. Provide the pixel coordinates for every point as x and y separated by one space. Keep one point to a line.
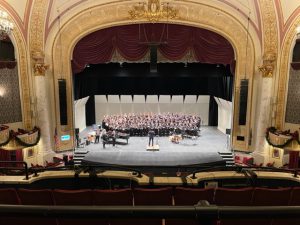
100 99
164 99
203 99
80 116
126 99
152 99
224 114
113 99
177 99
190 99
139 99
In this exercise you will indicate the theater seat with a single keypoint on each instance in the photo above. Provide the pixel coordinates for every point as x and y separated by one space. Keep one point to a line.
233 197
270 197
158 196
113 197
76 197
9 196
191 196
36 197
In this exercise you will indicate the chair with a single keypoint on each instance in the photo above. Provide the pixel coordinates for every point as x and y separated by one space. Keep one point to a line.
191 196
270 197
159 196
9 196
114 197
75 197
36 197
293 201
233 197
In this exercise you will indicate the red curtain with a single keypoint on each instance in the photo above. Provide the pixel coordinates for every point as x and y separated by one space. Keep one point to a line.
133 41
4 156
8 64
294 159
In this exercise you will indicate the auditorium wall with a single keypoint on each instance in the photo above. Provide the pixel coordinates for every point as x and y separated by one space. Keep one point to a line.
10 102
115 104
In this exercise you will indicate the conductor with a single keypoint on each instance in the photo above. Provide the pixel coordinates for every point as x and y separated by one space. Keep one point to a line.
151 134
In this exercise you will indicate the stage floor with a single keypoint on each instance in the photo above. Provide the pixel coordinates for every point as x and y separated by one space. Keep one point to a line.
204 149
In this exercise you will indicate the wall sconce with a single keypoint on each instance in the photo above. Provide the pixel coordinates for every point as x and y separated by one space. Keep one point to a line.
2 92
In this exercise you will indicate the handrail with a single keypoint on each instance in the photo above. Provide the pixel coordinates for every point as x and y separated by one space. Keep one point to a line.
14 162
210 212
240 169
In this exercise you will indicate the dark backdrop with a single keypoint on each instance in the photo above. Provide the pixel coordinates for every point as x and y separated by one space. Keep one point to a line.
170 79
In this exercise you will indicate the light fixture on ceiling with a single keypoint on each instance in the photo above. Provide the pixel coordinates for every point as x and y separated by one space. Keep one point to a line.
153 11
5 25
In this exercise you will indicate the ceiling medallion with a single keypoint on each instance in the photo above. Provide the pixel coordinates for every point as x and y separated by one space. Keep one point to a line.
153 11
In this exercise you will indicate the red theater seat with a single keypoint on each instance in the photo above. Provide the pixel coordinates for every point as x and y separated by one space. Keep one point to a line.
233 197
159 196
76 197
191 196
9 196
113 197
294 201
271 197
36 197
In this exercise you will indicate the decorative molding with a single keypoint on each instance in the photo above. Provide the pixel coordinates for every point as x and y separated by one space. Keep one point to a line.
270 37
39 67
113 14
268 66
37 25
24 78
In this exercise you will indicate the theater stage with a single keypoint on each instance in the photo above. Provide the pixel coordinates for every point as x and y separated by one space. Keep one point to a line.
200 151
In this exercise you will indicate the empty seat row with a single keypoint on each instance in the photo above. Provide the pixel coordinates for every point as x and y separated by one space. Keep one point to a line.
159 196
139 196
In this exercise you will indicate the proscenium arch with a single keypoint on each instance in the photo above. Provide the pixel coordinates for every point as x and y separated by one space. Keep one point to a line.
197 15
284 69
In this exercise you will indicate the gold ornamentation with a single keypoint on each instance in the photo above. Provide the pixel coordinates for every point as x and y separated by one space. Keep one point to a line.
268 66
24 78
37 25
153 11
269 26
39 67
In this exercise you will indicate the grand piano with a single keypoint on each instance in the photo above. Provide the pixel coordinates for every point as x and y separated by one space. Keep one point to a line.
119 138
